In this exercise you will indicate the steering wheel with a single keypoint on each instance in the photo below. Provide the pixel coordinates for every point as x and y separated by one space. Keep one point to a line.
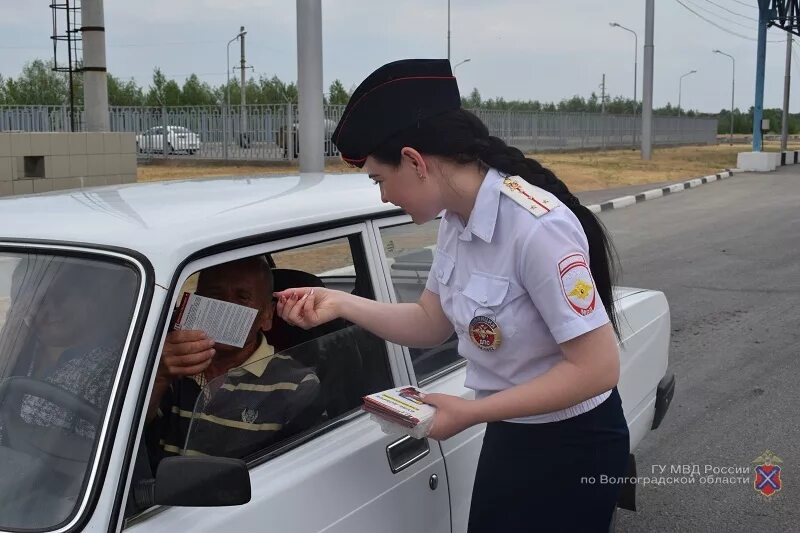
49 441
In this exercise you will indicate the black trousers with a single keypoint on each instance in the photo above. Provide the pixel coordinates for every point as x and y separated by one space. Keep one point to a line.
548 477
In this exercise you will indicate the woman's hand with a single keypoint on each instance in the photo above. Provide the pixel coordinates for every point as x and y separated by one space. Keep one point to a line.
306 307
453 415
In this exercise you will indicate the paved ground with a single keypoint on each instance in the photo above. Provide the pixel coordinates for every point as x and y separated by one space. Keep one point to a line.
727 255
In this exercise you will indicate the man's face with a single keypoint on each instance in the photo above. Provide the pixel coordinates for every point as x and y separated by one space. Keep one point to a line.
244 284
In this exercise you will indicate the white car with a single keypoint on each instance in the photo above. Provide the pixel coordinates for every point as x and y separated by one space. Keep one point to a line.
72 463
178 139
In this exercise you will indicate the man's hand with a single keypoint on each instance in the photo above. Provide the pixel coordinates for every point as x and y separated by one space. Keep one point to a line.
185 353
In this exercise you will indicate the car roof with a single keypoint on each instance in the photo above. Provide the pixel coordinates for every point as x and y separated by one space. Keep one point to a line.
168 221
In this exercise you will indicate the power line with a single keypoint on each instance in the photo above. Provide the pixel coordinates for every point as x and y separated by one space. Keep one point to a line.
726 30
731 12
744 4
717 15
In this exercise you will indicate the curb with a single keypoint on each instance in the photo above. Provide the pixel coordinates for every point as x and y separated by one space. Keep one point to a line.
625 201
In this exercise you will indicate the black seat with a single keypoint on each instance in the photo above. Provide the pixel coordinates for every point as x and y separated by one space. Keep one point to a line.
335 357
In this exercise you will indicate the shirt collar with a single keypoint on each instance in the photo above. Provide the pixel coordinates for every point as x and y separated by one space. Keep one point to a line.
258 361
483 217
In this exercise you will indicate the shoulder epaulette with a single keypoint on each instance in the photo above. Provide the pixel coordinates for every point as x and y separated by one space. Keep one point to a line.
534 199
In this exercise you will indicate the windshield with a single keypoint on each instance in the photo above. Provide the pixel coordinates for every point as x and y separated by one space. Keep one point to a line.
63 324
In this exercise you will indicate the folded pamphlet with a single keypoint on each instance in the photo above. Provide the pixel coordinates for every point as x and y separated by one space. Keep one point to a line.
225 322
401 410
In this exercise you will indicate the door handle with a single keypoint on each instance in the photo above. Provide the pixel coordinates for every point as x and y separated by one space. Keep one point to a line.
405 452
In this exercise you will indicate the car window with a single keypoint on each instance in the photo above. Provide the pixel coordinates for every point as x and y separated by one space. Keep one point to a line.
64 322
179 129
409 249
289 384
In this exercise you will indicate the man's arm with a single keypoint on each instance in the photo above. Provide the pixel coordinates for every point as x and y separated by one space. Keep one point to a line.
185 353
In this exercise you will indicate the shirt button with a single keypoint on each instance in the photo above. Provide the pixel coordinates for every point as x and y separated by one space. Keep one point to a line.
484 300
441 272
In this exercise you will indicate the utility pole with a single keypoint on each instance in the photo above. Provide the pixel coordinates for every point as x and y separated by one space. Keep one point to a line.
95 87
312 132
603 95
603 109
245 138
647 89
448 30
786 83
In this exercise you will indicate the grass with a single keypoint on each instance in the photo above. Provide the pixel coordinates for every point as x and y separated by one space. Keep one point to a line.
582 171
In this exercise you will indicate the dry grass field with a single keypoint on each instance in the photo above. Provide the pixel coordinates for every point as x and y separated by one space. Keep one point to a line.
582 171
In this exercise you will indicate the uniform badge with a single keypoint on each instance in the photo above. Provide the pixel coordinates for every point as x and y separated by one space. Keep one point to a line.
577 284
484 333
536 200
249 415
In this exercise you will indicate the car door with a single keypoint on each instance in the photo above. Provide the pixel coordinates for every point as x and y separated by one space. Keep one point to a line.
407 252
342 474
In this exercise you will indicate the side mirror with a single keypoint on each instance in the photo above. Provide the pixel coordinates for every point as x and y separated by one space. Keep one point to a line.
195 482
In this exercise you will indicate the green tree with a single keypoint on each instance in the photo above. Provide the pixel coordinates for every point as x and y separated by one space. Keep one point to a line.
195 92
473 100
38 84
155 94
337 94
124 93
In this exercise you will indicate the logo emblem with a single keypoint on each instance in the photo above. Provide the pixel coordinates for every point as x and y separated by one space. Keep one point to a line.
577 284
484 333
768 474
249 415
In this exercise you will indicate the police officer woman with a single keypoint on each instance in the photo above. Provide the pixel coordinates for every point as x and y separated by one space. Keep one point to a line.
522 272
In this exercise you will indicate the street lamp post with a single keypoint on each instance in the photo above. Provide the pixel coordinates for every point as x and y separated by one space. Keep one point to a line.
680 83
461 63
635 69
733 86
228 88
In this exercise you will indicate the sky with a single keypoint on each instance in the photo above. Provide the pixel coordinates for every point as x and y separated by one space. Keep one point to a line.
542 50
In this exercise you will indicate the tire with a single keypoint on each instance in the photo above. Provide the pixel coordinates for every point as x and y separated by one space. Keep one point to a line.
168 149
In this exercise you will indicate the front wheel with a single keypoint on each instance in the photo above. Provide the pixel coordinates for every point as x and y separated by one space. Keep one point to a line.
168 149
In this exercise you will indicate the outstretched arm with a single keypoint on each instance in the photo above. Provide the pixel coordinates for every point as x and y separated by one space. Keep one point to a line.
420 324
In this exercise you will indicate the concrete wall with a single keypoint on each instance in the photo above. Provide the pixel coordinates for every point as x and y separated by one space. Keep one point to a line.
43 162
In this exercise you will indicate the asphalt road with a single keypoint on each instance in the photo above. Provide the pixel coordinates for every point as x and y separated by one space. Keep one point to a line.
727 255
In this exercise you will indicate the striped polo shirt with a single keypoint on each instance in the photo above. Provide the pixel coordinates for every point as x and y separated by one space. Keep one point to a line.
268 398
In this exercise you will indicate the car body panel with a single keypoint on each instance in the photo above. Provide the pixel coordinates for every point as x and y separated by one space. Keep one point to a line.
343 475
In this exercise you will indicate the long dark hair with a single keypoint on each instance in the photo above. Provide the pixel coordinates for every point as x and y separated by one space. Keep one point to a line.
461 137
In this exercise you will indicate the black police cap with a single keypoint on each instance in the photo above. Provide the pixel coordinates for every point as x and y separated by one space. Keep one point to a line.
392 99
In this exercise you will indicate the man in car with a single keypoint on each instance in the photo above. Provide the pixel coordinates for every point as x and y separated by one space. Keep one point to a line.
243 399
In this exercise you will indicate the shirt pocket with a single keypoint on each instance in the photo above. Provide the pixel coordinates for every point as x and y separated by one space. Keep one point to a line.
443 266
489 295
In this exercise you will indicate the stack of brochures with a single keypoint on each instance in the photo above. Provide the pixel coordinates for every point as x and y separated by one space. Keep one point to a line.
401 410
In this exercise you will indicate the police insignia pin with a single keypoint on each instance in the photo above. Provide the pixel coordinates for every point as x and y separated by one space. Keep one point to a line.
484 333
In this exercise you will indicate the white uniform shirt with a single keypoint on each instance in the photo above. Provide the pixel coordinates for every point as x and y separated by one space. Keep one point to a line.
529 274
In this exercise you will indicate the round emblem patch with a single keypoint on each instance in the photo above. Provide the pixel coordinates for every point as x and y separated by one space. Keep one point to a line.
484 333
577 283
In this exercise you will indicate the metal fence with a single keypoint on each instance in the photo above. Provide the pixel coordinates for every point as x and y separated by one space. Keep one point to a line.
269 132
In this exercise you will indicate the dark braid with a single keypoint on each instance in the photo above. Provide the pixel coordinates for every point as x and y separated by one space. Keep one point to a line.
461 137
